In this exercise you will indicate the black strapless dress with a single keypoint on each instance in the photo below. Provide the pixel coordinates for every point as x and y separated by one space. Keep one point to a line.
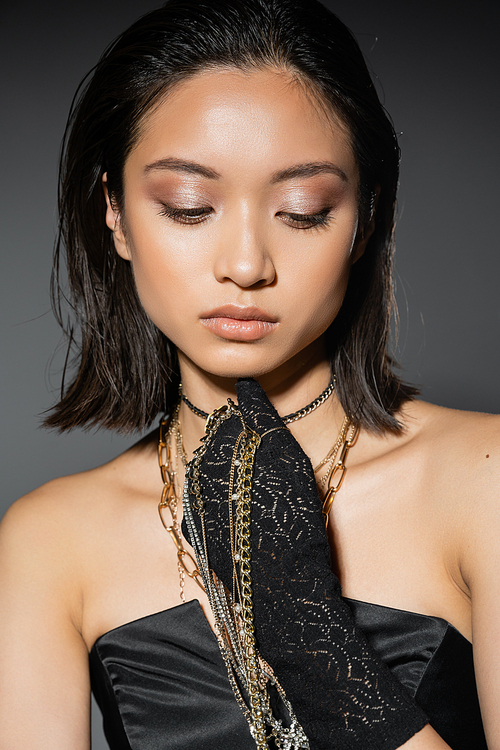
161 683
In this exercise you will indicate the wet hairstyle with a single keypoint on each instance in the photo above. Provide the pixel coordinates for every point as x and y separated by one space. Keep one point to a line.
124 371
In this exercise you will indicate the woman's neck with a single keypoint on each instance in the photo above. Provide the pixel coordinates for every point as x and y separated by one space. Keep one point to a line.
288 392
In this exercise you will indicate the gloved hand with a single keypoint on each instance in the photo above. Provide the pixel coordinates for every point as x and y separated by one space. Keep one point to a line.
344 697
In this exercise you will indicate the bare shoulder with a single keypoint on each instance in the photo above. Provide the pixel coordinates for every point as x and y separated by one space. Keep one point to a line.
53 528
459 440
460 451
54 542
462 455
448 448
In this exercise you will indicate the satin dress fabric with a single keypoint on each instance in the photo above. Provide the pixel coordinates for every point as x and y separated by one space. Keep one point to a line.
161 682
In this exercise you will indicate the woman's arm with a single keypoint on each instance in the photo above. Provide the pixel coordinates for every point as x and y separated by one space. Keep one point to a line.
342 694
481 572
44 682
426 739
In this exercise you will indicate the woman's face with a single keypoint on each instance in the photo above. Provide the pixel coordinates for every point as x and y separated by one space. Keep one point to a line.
241 221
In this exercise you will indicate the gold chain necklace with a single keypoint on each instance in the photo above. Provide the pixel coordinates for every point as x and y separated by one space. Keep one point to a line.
234 623
170 434
337 471
332 453
186 563
248 672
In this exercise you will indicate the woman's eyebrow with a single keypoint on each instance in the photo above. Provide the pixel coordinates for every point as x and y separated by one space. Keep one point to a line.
180 165
310 169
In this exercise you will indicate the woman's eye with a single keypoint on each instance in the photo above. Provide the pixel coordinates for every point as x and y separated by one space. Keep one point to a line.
186 215
306 221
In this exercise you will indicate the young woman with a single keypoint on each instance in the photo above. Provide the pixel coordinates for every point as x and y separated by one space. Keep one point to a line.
227 204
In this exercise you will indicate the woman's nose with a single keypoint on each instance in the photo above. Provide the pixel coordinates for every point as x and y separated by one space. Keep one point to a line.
243 254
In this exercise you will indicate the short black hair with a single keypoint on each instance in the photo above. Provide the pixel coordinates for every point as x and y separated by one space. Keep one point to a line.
126 370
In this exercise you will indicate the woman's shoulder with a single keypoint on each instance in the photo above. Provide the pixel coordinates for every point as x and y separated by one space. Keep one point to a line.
441 440
460 451
54 546
68 512
451 429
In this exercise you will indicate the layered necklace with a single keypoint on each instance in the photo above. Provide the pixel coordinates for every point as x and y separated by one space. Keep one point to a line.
170 438
248 673
171 451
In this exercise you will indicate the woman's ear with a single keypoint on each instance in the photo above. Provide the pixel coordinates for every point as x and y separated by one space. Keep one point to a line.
365 232
113 222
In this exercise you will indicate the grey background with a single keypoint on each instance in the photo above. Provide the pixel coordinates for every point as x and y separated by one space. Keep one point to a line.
438 65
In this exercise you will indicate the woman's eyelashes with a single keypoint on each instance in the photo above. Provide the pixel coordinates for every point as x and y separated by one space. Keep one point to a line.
186 215
306 221
195 215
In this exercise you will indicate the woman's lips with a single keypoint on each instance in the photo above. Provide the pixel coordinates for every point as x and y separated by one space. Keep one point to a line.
239 323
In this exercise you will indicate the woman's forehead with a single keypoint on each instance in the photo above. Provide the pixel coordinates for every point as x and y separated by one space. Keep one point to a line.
264 119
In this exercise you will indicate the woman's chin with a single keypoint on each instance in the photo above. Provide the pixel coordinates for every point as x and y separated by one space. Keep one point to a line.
270 374
266 364
232 374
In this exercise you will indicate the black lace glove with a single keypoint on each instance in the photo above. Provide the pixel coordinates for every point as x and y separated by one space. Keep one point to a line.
344 697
